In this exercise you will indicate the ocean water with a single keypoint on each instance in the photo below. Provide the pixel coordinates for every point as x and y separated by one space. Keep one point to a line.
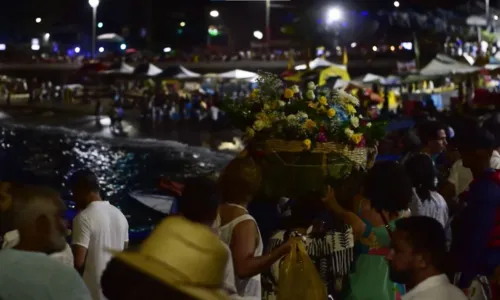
48 155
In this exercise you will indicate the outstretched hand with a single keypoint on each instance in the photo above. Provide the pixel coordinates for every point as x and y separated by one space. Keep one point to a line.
372 155
330 200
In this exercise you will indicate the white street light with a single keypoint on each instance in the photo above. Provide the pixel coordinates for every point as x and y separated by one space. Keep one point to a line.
374 48
38 20
123 46
258 35
35 47
100 25
77 50
214 13
101 49
396 3
334 14
495 17
353 45
167 49
94 4
183 24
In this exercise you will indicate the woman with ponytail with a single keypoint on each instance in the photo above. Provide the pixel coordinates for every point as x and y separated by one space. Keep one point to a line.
426 201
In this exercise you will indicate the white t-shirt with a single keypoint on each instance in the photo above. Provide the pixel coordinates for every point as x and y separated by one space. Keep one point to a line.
11 239
461 176
435 288
99 227
434 207
34 276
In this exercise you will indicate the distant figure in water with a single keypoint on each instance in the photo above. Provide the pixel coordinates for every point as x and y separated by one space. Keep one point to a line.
116 116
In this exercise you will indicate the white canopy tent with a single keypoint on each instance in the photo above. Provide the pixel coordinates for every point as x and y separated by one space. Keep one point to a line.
153 70
110 37
318 62
238 74
179 72
185 74
443 65
370 78
123 69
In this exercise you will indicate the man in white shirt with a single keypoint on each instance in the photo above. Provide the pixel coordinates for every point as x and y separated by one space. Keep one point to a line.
27 272
97 227
461 176
417 259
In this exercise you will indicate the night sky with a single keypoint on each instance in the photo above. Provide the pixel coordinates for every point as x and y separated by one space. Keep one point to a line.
161 17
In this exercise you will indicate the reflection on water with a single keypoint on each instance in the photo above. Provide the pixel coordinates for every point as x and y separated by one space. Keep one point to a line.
48 155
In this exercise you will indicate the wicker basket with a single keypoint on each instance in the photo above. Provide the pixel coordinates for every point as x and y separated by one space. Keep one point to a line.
356 155
288 169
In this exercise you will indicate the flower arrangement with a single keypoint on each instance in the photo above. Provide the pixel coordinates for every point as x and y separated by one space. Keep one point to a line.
318 115
302 139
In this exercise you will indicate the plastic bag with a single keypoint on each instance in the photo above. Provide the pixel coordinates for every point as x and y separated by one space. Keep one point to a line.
298 278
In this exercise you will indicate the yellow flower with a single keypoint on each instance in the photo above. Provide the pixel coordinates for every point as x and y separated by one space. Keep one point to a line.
312 104
261 116
296 89
243 153
254 93
309 124
350 109
288 93
259 125
357 138
250 133
310 95
331 113
323 101
307 144
355 122
348 132
321 109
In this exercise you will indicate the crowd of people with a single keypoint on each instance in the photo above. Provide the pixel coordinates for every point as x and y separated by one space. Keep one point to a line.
424 227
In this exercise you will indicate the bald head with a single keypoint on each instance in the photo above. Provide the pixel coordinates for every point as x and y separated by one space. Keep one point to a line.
37 213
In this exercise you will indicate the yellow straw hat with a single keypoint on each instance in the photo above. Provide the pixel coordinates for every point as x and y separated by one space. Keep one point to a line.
186 256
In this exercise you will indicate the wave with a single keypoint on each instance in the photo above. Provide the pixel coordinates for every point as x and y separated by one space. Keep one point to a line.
99 137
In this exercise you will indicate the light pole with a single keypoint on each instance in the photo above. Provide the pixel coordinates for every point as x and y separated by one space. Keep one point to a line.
94 4
268 23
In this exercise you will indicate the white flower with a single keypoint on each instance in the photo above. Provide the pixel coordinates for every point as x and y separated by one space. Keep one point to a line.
347 97
310 94
360 116
259 125
302 115
348 132
311 85
368 124
291 119
354 101
355 122
295 89
281 103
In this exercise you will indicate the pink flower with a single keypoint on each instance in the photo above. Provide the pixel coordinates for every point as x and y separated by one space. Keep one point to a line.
321 137
361 144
